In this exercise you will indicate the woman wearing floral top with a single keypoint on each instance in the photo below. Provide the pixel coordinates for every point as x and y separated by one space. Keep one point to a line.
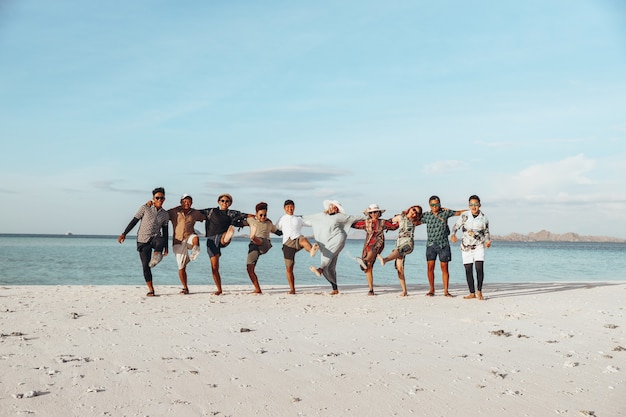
375 228
407 221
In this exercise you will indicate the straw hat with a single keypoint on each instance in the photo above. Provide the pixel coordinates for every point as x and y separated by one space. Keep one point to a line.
327 204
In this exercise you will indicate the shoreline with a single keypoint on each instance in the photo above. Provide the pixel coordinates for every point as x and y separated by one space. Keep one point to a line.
528 349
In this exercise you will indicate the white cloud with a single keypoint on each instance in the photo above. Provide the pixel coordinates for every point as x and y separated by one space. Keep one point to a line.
552 178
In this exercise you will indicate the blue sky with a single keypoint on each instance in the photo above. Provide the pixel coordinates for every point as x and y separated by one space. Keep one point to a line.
522 103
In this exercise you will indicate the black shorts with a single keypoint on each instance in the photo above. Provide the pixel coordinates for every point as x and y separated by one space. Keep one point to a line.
435 250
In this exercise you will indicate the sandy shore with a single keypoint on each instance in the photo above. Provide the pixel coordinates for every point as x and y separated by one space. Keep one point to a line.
528 350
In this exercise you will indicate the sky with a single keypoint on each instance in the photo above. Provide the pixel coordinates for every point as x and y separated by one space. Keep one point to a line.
521 103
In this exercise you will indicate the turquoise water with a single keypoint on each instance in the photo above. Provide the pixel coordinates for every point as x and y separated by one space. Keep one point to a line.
100 260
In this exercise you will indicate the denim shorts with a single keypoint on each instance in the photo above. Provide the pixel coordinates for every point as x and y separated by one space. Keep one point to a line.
435 250
213 245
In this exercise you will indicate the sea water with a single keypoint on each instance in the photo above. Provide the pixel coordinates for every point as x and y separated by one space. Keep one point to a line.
101 260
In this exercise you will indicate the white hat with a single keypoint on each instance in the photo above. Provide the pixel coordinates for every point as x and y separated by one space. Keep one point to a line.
373 207
336 203
184 196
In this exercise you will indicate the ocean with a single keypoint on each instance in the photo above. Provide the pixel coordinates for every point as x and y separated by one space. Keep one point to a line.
100 260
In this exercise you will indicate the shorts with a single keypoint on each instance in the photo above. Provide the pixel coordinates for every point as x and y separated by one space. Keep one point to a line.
472 255
435 250
293 243
254 251
404 248
290 248
181 251
213 245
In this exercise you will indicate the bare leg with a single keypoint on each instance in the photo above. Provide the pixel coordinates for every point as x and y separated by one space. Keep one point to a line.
393 255
291 279
316 271
400 269
227 236
304 242
369 274
215 270
445 276
182 274
254 279
431 277
314 248
369 271
150 289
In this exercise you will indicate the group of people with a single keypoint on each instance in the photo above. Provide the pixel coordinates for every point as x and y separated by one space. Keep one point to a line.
330 230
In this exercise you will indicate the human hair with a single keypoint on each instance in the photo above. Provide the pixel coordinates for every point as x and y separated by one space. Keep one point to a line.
289 203
419 210
474 197
434 197
228 196
419 213
158 190
261 206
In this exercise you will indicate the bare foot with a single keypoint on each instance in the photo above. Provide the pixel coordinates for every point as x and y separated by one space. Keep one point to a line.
292 292
404 294
447 294
314 249
334 292
479 295
471 295
430 294
371 292
256 292
315 270
217 293
380 258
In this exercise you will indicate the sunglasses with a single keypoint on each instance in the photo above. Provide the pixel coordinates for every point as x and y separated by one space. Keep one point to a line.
435 205
224 201
262 215
159 198
474 205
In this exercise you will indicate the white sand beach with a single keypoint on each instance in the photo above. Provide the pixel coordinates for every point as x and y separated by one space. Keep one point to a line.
531 349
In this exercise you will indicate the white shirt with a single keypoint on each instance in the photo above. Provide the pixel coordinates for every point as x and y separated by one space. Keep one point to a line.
291 226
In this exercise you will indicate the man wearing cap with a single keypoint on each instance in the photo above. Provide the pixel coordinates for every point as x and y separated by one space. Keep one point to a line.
219 232
183 220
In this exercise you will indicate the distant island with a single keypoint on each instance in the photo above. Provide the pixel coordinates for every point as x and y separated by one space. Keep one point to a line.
545 236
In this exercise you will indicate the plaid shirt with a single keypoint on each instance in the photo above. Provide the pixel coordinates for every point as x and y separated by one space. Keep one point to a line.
153 223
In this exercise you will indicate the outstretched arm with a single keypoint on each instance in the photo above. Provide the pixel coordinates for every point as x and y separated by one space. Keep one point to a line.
130 226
